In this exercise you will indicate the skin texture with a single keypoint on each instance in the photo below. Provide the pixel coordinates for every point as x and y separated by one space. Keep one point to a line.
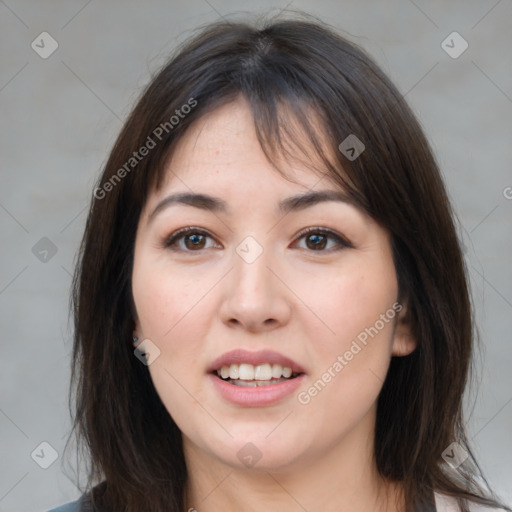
305 303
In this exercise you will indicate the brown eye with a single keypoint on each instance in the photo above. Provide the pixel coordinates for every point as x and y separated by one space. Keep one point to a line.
189 240
316 241
321 240
195 241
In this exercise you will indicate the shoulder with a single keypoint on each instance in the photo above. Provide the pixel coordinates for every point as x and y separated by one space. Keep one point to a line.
74 506
448 504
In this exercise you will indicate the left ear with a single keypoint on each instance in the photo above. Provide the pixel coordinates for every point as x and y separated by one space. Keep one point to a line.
403 339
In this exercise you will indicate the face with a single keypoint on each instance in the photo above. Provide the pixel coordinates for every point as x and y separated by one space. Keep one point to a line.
281 286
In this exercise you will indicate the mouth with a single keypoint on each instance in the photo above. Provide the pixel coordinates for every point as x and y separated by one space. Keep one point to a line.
255 379
251 376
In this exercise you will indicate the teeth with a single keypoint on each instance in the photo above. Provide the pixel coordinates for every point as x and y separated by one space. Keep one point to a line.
277 371
248 372
256 383
233 371
263 372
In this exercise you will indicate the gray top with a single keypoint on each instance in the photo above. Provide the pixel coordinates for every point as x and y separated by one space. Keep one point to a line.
74 506
443 504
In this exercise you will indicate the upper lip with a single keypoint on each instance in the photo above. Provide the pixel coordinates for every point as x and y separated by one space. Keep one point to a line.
240 356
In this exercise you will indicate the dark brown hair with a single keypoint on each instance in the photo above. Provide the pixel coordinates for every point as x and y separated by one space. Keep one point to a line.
287 70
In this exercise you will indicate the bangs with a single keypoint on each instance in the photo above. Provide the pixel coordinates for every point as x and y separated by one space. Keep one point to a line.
292 133
298 120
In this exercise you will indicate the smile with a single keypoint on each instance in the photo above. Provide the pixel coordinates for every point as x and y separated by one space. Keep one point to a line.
248 375
255 378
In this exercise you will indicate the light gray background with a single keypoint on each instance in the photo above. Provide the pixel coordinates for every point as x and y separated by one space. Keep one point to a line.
59 118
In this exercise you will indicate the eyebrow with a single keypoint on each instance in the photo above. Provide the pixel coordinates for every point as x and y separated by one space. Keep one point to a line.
201 201
216 205
303 201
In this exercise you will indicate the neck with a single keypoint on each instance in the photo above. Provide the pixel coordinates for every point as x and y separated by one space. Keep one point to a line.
345 479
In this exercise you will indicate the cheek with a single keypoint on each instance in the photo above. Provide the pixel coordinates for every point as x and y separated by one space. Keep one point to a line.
177 323
173 321
164 298
343 304
352 335
172 314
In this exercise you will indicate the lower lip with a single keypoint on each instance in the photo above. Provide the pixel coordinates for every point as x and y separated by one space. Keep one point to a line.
259 396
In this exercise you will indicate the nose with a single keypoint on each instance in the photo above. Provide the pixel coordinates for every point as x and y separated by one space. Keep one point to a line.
255 298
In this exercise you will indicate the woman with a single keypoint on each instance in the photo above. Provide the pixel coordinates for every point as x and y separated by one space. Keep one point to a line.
271 306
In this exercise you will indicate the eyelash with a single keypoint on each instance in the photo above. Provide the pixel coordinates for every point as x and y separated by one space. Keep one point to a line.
171 241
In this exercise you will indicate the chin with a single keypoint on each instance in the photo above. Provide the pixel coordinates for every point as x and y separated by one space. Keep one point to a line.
260 452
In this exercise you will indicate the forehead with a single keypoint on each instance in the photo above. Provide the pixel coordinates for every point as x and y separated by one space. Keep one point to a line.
221 152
